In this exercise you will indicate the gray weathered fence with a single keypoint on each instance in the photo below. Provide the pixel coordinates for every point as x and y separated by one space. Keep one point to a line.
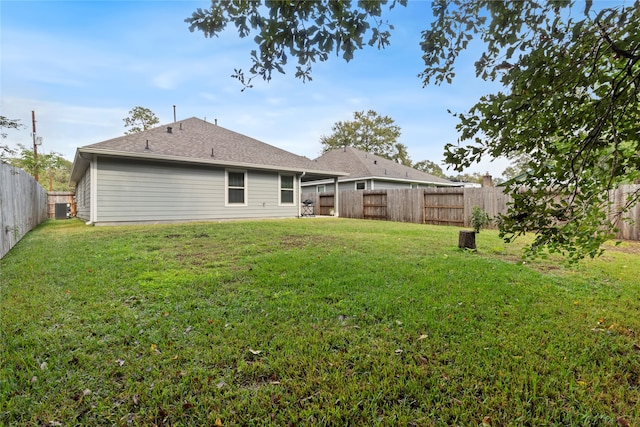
23 205
630 229
447 206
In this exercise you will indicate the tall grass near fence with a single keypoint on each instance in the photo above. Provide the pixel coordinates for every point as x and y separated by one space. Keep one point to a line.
23 205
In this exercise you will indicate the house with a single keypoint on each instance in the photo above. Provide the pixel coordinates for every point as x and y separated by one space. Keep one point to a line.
367 171
190 170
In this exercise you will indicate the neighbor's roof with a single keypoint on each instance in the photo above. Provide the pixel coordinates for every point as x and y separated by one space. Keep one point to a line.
197 141
362 165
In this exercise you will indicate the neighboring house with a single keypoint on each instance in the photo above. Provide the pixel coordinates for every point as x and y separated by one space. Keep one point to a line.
370 172
190 170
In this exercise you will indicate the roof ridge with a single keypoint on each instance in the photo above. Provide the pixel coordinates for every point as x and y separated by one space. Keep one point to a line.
380 166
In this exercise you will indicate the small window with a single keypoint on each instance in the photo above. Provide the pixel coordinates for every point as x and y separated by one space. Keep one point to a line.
413 185
236 187
361 185
286 189
321 188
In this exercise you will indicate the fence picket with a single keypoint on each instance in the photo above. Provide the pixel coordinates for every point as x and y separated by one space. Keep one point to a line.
23 205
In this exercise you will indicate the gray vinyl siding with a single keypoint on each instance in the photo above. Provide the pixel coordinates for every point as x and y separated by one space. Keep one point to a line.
313 188
129 191
351 185
388 185
83 197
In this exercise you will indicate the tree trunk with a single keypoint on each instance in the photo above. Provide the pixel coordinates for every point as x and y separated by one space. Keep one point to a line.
467 239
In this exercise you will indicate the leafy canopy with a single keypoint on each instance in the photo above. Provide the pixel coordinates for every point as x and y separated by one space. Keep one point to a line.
51 165
140 119
306 30
6 123
430 167
571 104
571 78
370 132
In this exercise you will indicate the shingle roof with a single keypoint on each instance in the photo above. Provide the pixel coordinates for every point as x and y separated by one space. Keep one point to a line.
194 140
360 164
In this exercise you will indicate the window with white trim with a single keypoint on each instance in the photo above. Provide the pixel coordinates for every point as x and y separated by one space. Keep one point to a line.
286 189
321 188
236 188
361 185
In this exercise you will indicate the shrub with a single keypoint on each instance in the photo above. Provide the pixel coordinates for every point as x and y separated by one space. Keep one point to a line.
479 219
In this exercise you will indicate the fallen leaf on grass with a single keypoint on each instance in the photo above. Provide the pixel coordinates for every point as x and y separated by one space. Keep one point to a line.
86 392
34 380
218 422
120 362
423 336
43 366
186 331
175 356
398 351
486 421
255 352
622 422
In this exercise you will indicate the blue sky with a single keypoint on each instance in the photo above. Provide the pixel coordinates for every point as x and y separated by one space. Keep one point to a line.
82 65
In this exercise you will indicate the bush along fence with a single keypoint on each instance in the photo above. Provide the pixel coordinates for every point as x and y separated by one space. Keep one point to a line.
444 206
23 205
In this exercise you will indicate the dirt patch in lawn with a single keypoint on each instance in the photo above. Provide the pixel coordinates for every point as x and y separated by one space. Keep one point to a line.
626 246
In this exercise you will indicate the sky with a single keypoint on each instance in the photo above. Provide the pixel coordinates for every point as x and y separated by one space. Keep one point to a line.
83 65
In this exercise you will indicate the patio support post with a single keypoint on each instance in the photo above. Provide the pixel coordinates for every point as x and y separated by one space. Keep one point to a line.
336 201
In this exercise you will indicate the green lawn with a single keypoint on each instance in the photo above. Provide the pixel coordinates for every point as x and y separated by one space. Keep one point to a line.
312 322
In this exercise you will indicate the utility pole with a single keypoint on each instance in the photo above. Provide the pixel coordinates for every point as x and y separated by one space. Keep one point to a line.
35 146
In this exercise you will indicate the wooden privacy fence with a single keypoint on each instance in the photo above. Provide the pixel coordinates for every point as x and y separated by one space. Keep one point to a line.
445 206
23 205
629 230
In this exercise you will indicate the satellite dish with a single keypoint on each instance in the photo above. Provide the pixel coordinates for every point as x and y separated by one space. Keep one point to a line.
38 140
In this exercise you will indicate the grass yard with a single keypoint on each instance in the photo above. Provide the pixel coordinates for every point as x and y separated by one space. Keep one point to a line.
312 322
